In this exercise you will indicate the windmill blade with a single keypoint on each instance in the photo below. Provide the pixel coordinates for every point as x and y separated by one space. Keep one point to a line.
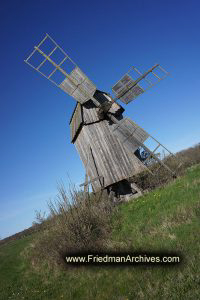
134 83
133 137
130 134
51 61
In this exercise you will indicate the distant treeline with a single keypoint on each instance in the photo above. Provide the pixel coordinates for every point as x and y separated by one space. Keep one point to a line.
21 234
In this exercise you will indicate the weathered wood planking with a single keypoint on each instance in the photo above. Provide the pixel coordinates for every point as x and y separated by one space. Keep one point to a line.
90 113
111 159
108 156
132 141
78 85
76 121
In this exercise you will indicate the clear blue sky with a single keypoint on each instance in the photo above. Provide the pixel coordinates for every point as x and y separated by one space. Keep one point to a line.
104 38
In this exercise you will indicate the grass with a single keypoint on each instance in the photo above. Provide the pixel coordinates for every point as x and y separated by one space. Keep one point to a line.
166 219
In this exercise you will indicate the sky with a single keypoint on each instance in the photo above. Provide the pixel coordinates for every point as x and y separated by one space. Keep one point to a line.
104 38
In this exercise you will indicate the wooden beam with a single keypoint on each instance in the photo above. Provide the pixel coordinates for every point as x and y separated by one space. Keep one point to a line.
91 181
138 80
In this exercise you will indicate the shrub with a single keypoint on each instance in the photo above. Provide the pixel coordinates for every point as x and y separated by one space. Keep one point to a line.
160 176
74 224
190 156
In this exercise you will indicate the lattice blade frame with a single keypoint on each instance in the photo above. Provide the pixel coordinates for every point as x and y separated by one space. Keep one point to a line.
134 137
65 74
130 134
134 83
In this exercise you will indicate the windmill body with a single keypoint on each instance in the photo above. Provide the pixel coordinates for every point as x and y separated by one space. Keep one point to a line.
104 156
109 145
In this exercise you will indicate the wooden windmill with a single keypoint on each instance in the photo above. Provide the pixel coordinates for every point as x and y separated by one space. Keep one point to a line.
111 147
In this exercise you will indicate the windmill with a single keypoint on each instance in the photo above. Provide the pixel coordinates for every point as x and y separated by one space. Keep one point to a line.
111 147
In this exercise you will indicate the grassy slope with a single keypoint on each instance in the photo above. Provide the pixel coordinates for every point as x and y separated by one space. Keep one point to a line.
165 219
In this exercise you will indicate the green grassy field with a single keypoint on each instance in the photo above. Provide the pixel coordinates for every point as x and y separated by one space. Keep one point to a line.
166 219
